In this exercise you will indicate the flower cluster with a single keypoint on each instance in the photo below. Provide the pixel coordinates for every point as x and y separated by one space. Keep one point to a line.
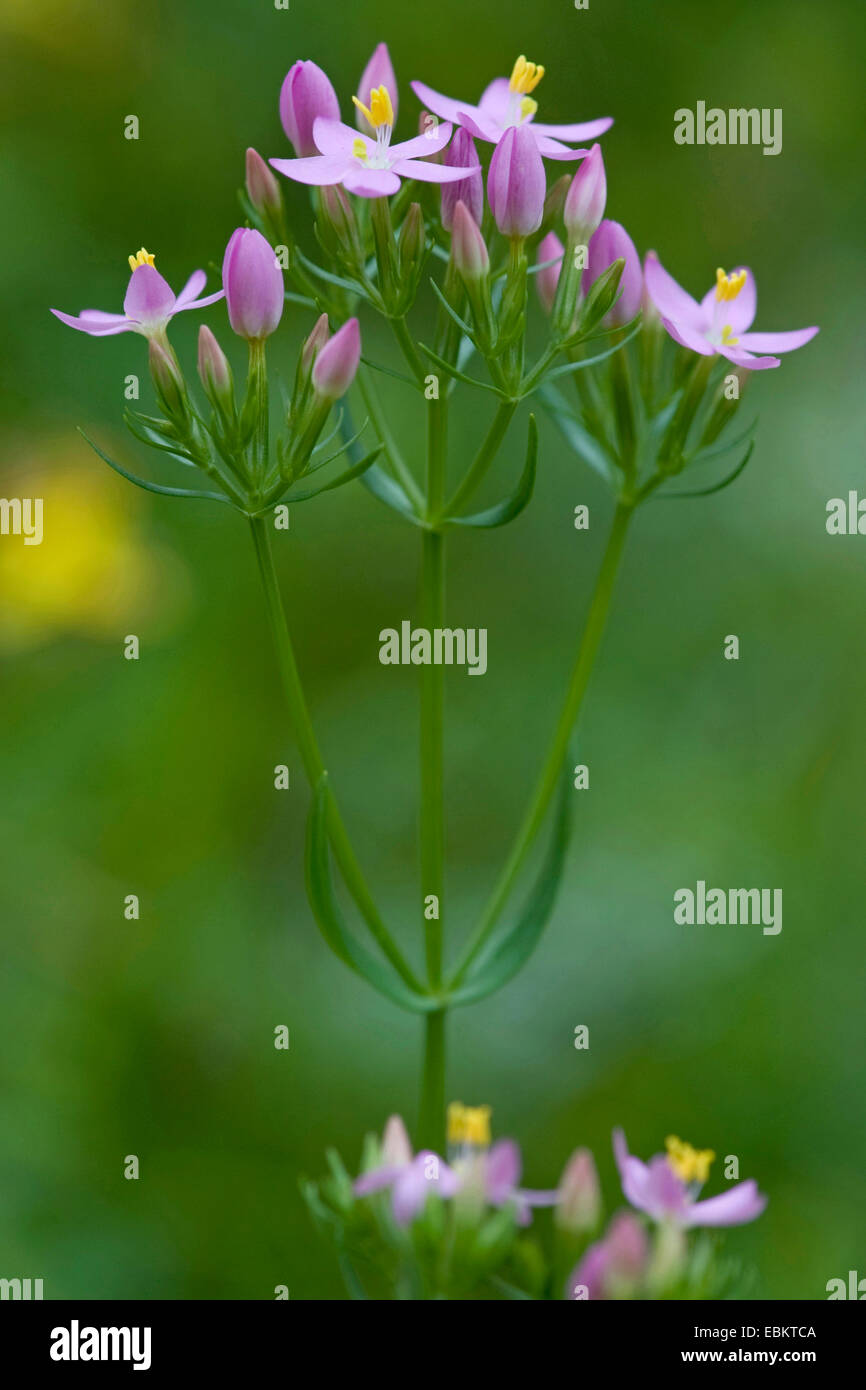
459 1226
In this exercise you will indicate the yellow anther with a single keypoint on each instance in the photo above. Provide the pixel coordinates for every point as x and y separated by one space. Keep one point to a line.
525 77
380 112
728 339
729 286
141 257
528 108
692 1165
469 1124
359 149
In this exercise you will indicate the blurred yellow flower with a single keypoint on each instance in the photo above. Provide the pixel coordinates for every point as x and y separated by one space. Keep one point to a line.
96 572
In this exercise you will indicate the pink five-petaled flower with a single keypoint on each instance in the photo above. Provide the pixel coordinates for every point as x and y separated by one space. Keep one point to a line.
371 167
411 1179
507 103
502 1166
148 305
667 1187
721 322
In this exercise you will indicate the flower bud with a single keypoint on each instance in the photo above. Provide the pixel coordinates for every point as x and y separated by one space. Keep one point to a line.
614 1266
412 245
610 243
396 1147
516 183
253 282
262 188
167 377
337 227
316 341
337 362
468 249
379 72
305 95
462 154
579 1206
586 198
214 370
546 281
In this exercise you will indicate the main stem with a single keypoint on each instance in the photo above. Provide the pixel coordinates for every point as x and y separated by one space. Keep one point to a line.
311 756
552 768
432 810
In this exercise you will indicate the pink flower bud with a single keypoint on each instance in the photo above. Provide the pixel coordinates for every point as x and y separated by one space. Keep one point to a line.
306 94
337 362
610 243
516 183
213 367
379 72
262 188
586 198
462 154
467 245
167 377
579 1206
253 282
316 341
546 281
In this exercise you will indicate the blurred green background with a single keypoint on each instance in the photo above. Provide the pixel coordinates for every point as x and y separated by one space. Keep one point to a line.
156 777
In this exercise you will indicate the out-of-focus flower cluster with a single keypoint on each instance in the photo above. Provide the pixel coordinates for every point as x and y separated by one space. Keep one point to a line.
423 1225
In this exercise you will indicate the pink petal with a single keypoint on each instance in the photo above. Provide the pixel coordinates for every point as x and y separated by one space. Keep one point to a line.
94 322
502 1167
495 101
552 149
334 137
396 1145
317 170
777 342
193 287
444 107
481 125
429 173
377 1178
733 1208
748 359
584 130
739 312
149 297
671 300
431 142
200 303
370 183
689 337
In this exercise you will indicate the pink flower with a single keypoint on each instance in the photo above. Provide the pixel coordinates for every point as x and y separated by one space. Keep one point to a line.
546 281
148 305
586 198
255 292
502 1166
611 243
411 1180
469 191
371 168
306 94
337 361
379 72
667 1187
507 103
516 185
722 320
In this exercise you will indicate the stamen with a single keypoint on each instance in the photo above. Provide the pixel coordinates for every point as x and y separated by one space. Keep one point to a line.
380 112
528 108
140 258
727 339
691 1165
525 76
729 286
469 1124
359 150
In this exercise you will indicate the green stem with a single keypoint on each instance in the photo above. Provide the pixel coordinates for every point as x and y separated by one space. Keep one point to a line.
392 453
431 1120
551 771
484 458
408 349
312 759
257 386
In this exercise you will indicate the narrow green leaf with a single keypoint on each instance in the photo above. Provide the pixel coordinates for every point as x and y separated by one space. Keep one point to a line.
572 430
320 891
505 956
514 504
354 472
390 371
570 367
148 486
390 492
458 375
717 487
451 312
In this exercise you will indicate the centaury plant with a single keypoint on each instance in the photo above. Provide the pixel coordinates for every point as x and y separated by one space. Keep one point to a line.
643 384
